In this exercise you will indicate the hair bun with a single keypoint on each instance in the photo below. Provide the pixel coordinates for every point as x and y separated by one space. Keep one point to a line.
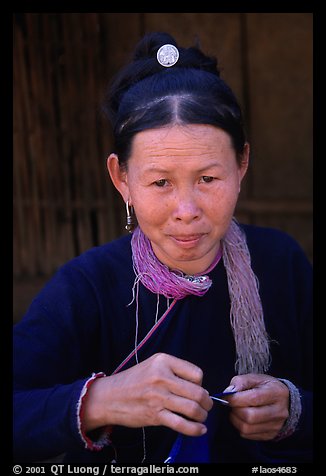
191 57
144 63
150 44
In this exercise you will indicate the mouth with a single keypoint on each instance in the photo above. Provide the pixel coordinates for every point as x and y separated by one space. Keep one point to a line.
187 241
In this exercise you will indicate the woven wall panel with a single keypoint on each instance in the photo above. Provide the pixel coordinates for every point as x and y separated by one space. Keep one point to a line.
64 202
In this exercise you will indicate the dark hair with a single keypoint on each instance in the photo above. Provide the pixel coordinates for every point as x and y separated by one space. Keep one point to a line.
146 95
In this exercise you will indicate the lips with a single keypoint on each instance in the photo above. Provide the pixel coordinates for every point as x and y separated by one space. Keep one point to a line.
187 241
187 237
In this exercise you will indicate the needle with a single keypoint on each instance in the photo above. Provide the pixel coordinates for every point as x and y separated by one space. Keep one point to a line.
221 400
225 402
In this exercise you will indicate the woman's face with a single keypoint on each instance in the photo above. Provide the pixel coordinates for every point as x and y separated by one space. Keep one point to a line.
183 182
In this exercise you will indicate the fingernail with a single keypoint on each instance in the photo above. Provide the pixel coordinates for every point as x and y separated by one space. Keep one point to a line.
230 388
204 430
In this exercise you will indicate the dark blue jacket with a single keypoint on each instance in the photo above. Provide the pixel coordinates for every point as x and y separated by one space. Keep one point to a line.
80 323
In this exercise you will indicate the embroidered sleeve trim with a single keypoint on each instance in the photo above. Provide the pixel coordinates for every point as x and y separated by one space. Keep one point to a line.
295 409
104 438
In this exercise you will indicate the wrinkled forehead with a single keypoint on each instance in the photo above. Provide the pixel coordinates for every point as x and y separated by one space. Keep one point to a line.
196 142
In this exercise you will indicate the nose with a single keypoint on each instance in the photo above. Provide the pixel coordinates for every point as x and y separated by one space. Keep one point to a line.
186 208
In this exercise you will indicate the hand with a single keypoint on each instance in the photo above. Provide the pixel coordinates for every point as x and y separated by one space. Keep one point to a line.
162 390
260 407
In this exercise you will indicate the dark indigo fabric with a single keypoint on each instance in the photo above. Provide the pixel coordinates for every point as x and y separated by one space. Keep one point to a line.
80 323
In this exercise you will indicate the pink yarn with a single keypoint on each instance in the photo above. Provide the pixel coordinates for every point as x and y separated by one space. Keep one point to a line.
159 279
246 312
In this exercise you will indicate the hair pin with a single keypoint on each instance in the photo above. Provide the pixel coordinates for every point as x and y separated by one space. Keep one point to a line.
167 55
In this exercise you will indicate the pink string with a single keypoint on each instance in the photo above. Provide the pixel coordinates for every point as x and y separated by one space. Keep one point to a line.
145 339
246 316
158 278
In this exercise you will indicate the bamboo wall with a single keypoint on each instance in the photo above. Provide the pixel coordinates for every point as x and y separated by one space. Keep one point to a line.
64 202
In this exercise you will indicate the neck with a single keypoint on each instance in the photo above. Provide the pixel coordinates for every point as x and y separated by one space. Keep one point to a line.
158 277
190 267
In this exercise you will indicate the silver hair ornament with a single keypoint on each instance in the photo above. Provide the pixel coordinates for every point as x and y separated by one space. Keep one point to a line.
167 55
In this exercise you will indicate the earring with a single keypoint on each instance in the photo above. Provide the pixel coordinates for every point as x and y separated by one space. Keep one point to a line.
130 218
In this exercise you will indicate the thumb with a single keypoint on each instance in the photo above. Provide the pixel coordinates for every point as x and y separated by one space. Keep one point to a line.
246 382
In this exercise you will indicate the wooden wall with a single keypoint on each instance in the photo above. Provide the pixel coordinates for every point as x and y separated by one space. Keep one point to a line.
64 202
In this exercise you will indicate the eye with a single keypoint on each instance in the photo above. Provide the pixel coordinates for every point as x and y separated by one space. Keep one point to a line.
161 183
206 179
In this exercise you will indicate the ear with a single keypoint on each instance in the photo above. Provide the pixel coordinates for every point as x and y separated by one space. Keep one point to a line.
118 176
243 167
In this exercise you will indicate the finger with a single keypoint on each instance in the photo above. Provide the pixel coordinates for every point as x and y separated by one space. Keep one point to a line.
249 381
182 378
181 425
251 398
258 430
260 415
185 407
267 393
192 392
186 370
261 436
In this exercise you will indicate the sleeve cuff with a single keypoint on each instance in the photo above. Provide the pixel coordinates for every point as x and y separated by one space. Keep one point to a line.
295 409
104 433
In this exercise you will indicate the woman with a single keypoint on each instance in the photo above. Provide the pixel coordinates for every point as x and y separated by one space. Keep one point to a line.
123 356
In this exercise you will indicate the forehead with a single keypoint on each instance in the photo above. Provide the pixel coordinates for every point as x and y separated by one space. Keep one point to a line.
180 139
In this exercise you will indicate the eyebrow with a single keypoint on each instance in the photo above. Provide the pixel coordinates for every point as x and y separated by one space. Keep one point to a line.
161 170
156 169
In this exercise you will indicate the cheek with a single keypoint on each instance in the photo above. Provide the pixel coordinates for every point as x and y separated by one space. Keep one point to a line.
221 207
225 195
150 210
